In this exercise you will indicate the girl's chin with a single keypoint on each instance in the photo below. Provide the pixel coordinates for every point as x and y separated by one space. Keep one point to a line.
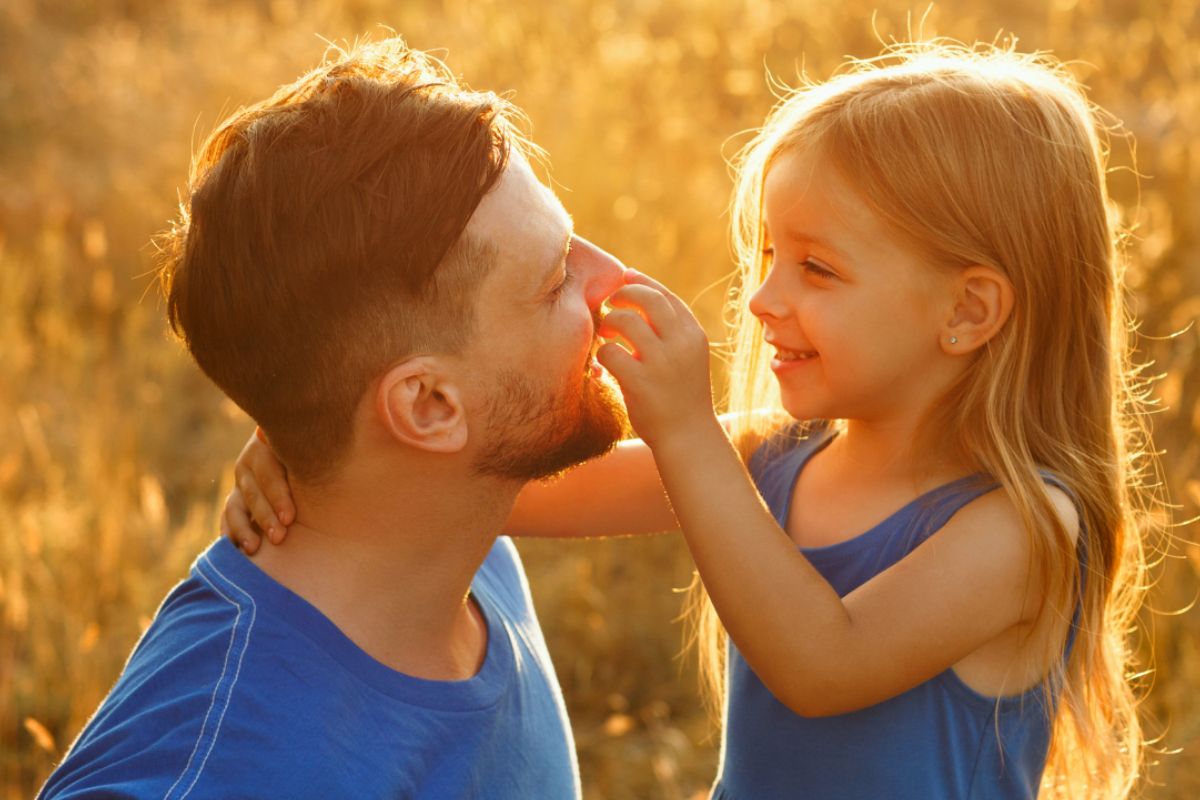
803 409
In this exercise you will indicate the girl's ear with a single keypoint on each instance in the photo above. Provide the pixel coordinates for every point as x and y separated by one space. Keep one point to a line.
418 403
983 302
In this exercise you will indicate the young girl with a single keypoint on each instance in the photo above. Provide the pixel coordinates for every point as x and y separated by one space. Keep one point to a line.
929 573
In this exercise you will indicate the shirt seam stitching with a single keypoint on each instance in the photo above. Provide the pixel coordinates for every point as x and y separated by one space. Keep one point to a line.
224 702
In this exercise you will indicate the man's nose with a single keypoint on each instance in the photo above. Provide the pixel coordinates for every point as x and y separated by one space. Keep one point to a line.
601 272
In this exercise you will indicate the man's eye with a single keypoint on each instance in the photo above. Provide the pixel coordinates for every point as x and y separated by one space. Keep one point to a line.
557 291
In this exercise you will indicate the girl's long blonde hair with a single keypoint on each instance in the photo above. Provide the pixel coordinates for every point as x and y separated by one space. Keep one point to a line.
981 155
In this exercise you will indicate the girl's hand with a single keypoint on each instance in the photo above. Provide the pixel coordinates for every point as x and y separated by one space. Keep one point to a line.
261 499
665 379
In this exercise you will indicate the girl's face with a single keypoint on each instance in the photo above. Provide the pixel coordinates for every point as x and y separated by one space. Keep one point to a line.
854 315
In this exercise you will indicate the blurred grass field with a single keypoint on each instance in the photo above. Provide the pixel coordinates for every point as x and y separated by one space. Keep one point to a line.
115 452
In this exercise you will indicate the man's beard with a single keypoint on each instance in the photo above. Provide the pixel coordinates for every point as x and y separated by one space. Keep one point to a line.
535 434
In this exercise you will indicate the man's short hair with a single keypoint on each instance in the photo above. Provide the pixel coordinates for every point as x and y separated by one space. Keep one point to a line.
323 239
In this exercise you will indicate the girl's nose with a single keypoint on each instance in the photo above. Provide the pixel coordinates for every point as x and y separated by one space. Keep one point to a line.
766 301
601 273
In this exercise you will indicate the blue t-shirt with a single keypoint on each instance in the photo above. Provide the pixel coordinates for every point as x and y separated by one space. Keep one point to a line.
240 688
940 739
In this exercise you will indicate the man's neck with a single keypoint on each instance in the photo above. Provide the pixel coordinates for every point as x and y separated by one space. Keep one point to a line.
389 558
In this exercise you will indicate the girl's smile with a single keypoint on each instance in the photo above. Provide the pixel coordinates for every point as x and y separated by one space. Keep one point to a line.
789 358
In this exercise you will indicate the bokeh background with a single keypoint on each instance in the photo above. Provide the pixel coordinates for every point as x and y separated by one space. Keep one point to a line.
115 452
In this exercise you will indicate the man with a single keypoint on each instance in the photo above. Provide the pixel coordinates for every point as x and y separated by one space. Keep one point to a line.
368 266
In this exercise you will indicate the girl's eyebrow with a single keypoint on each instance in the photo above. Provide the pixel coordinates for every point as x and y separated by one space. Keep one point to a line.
812 239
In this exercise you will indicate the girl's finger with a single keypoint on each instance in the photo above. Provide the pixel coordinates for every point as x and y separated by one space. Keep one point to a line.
236 526
630 326
270 475
278 494
652 304
618 361
635 278
260 509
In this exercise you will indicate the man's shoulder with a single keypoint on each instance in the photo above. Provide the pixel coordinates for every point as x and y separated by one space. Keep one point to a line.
201 630
209 677
502 576
503 559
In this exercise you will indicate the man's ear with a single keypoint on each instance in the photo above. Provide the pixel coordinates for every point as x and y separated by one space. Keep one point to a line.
983 302
418 403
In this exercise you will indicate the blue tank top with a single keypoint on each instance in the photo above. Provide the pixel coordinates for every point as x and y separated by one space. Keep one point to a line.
940 739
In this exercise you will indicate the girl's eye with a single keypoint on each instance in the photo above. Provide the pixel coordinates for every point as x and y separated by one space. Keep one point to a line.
816 269
557 291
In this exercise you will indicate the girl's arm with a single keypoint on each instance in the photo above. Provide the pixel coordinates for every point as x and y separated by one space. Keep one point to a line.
614 495
818 653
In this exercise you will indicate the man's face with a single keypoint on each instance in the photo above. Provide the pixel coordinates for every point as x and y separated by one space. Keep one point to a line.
548 404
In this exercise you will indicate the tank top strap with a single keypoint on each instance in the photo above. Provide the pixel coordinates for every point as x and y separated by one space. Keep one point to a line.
935 508
775 464
1081 558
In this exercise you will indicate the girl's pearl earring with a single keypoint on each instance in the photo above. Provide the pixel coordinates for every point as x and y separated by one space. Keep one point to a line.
953 340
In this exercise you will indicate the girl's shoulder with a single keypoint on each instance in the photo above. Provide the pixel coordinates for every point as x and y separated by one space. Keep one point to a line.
997 529
1000 510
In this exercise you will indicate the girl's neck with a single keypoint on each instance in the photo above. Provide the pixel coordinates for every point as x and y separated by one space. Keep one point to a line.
892 452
